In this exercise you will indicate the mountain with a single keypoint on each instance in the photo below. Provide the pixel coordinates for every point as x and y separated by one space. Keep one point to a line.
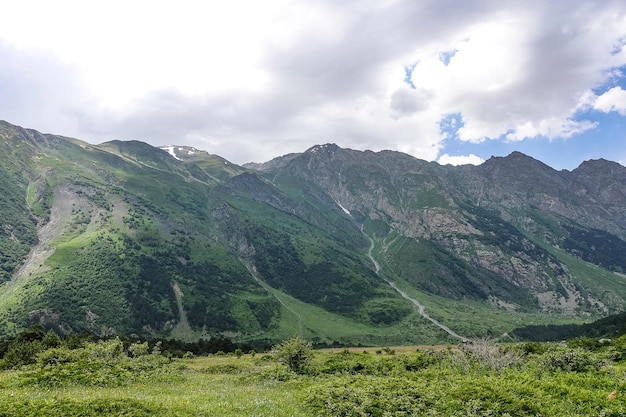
334 244
610 327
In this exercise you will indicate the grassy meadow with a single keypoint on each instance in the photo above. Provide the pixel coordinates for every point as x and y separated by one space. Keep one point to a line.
583 378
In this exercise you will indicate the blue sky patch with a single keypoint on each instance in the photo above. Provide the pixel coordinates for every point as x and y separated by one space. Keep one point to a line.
408 73
446 56
450 124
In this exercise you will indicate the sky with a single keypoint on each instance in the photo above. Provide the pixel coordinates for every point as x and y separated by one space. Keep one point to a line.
448 81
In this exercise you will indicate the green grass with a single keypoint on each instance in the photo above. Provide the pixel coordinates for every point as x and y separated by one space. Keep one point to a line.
321 326
215 386
467 381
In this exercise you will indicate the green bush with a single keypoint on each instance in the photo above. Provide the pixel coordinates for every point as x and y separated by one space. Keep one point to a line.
572 360
533 348
361 396
343 363
97 364
435 388
106 350
22 353
295 353
138 349
80 408
50 340
58 356
23 350
348 363
586 343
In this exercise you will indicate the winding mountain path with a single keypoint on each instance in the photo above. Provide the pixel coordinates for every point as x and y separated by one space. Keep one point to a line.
420 307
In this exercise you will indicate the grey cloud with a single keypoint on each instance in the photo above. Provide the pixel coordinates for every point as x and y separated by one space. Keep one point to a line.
405 101
38 91
351 64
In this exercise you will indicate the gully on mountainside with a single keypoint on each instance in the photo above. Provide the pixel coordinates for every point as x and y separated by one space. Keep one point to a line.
420 307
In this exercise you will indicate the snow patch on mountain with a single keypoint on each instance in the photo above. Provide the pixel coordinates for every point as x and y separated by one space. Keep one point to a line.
171 150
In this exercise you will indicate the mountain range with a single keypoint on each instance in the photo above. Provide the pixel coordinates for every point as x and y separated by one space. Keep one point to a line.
336 245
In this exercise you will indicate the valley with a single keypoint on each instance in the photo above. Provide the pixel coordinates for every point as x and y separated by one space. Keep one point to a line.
338 246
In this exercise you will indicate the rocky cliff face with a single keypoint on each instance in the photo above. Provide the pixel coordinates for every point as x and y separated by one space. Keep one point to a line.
494 219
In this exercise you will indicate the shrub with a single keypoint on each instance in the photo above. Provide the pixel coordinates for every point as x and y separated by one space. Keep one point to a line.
59 356
359 364
586 343
389 351
22 353
96 364
295 353
50 340
420 360
571 360
495 358
344 363
366 396
81 407
107 350
534 348
138 349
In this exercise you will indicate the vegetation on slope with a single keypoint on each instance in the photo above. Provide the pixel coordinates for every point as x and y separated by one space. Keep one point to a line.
142 243
609 327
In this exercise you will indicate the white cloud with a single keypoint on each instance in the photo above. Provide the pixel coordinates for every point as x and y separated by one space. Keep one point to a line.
472 159
252 80
550 128
612 100
517 77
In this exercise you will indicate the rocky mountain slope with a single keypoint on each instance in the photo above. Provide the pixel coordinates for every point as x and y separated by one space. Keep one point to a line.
334 244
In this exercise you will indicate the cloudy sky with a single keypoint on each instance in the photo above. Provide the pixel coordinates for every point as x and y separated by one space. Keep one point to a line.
450 81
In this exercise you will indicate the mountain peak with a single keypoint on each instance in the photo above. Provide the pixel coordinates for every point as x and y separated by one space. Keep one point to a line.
513 156
600 167
327 147
515 161
182 152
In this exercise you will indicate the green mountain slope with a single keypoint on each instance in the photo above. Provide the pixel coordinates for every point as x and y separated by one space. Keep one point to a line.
332 244
134 240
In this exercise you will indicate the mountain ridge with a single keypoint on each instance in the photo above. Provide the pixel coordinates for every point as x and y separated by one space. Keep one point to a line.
126 237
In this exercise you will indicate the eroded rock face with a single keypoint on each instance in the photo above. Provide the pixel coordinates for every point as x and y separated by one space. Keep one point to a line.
49 319
419 200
